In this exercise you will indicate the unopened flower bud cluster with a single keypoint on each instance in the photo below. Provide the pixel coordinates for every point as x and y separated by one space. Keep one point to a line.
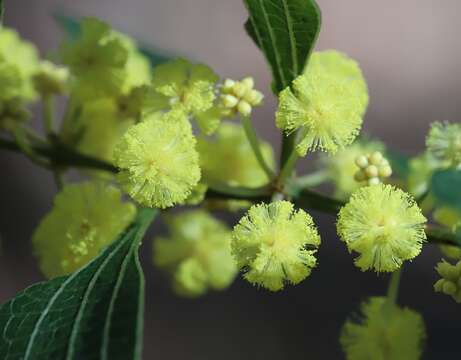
373 168
450 283
240 96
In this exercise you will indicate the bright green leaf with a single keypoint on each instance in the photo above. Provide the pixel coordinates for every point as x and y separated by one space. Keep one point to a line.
94 313
446 187
286 32
72 27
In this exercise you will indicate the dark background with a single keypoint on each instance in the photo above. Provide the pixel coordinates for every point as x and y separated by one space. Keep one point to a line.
409 51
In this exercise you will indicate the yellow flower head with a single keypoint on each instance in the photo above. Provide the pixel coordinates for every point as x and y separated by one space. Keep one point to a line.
197 254
384 331
273 244
444 142
341 167
158 162
85 218
227 158
180 84
342 68
18 63
97 59
450 283
384 225
326 103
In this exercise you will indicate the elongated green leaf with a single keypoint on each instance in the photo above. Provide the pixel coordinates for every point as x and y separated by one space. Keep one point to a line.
286 32
95 313
446 187
72 27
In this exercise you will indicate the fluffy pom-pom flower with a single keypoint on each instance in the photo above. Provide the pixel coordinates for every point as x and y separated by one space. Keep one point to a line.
182 84
341 167
384 331
197 254
21 58
450 283
384 225
343 68
85 218
274 244
326 103
444 142
97 59
158 162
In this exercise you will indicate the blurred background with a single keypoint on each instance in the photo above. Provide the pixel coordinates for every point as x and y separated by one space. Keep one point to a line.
408 51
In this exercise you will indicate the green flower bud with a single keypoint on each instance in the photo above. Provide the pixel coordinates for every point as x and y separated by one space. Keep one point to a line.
450 284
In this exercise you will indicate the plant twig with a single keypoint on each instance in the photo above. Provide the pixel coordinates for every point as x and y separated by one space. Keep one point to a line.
255 145
66 157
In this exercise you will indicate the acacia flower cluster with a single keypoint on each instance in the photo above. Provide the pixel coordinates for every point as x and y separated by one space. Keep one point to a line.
85 218
197 254
158 161
444 142
383 225
274 244
383 331
326 103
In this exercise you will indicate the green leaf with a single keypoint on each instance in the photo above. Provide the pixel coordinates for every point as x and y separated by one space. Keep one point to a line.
446 187
286 32
72 27
94 313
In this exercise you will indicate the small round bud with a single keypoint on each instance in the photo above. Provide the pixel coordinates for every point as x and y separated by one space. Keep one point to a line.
372 171
360 176
450 283
449 288
384 162
228 85
361 161
248 82
374 181
244 108
376 158
239 89
385 171
229 101
254 97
